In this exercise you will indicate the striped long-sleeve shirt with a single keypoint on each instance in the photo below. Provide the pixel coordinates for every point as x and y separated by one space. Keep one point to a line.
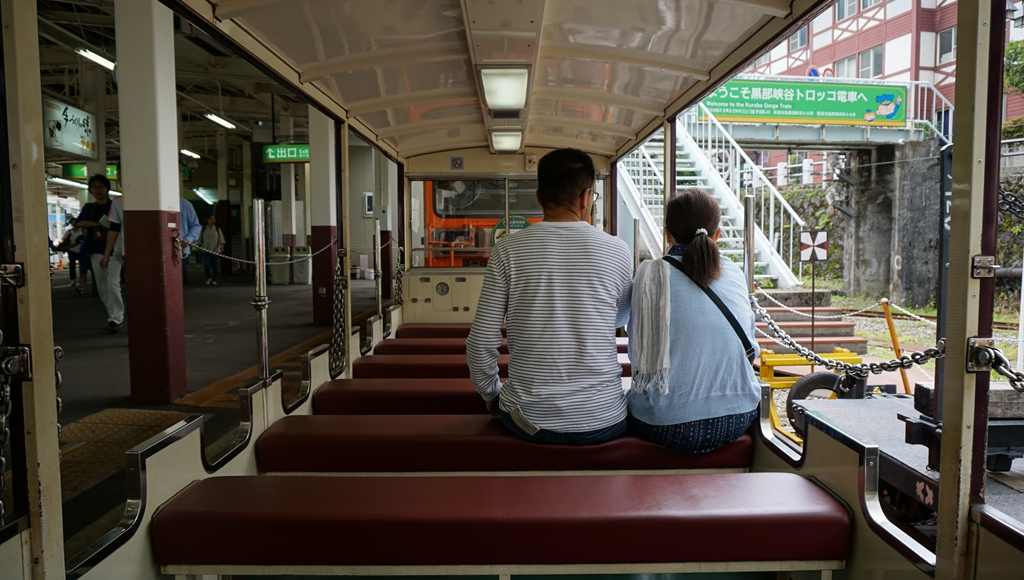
561 289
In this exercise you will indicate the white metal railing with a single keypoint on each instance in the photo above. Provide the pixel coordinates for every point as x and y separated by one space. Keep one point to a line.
649 231
928 110
776 220
648 182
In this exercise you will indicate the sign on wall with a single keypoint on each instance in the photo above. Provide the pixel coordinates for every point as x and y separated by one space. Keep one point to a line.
68 129
78 171
293 153
816 102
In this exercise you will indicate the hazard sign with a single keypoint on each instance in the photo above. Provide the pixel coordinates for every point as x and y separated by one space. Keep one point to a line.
457 163
813 246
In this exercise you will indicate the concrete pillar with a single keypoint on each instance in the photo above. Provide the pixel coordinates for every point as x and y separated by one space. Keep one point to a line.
323 203
36 462
307 222
152 186
807 172
301 211
288 194
247 199
222 165
781 171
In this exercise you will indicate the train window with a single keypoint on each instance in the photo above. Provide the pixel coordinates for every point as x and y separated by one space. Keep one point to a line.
457 222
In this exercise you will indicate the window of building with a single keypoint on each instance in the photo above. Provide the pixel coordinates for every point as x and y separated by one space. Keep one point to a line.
871 63
798 40
762 60
947 45
865 4
846 68
845 8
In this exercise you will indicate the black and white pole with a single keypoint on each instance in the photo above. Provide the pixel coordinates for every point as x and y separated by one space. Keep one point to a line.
813 248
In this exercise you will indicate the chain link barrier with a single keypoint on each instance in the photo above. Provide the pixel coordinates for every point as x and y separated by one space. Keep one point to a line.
1011 204
858 370
399 277
197 248
339 334
1001 365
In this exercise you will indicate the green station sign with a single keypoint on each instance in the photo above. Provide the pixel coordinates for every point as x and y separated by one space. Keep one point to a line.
294 153
78 171
809 102
515 223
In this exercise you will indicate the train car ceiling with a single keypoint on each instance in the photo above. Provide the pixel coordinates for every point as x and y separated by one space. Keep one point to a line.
414 76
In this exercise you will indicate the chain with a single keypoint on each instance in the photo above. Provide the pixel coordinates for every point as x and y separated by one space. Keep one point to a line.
816 316
58 354
1010 203
913 316
339 336
5 435
399 274
1001 365
199 248
860 370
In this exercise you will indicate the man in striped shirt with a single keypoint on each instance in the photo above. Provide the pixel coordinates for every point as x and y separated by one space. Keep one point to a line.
561 287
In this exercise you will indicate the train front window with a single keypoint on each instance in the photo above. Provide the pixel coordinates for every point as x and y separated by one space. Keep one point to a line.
456 222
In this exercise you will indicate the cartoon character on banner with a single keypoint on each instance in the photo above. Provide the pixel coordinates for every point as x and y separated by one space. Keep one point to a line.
888 106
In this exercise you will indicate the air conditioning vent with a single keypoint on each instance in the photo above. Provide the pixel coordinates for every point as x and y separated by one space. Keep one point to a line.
506 114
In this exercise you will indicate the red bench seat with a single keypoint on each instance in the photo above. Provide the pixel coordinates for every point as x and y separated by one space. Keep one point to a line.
452 443
398 397
498 520
439 330
446 346
431 366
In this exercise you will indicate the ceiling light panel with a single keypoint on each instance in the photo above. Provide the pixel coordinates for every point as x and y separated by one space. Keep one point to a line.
505 88
506 140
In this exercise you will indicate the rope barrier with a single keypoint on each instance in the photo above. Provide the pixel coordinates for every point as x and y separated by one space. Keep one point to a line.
199 248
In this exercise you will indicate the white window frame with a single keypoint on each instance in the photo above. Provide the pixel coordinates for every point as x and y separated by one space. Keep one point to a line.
799 42
848 66
865 4
869 53
938 46
845 9
763 59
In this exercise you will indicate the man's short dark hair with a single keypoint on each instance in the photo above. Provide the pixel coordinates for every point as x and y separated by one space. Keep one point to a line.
562 175
101 179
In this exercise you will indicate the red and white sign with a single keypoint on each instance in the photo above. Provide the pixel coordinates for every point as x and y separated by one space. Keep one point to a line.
813 246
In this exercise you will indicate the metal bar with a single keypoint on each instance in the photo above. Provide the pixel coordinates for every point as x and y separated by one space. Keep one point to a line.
636 244
895 343
378 283
260 301
748 240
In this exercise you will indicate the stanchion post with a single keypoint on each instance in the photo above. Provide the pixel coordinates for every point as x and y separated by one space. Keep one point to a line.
895 343
260 302
748 241
1020 325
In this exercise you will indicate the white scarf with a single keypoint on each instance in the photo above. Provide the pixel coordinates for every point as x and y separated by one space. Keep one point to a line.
649 328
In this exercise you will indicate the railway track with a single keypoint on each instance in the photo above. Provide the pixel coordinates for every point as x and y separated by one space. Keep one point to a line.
1009 326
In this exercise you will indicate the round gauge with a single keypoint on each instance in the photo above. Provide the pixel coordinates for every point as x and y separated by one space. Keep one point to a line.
441 289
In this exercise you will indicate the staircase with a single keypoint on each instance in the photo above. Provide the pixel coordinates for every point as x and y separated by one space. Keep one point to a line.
708 158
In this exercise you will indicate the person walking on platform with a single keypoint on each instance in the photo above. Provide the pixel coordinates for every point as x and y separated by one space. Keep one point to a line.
561 287
71 242
211 240
114 251
694 389
189 233
93 218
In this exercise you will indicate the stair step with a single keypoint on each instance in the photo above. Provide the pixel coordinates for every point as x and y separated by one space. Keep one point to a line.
799 329
780 314
822 344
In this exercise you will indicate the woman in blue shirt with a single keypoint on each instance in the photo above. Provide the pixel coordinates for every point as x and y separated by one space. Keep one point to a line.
693 389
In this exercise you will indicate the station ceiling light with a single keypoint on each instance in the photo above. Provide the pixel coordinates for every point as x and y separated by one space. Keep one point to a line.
76 184
206 196
506 140
505 88
190 154
220 121
100 60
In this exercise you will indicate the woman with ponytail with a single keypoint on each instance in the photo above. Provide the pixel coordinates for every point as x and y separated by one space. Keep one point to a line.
694 389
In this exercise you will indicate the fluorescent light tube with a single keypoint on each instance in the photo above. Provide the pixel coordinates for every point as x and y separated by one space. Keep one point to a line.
190 154
219 121
506 141
100 60
505 88
210 199
76 185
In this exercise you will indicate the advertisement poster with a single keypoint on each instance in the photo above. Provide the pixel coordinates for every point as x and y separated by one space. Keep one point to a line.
809 102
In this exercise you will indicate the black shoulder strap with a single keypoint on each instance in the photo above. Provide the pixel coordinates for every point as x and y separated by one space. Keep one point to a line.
747 347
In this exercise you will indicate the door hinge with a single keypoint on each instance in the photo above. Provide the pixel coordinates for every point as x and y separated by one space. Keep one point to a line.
983 267
12 275
16 362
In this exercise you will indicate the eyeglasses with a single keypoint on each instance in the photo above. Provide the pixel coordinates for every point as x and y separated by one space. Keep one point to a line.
594 195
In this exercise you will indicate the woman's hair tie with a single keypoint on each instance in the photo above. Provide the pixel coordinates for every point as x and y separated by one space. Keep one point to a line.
700 231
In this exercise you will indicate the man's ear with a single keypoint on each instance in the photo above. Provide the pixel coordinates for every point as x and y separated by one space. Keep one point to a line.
716 235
